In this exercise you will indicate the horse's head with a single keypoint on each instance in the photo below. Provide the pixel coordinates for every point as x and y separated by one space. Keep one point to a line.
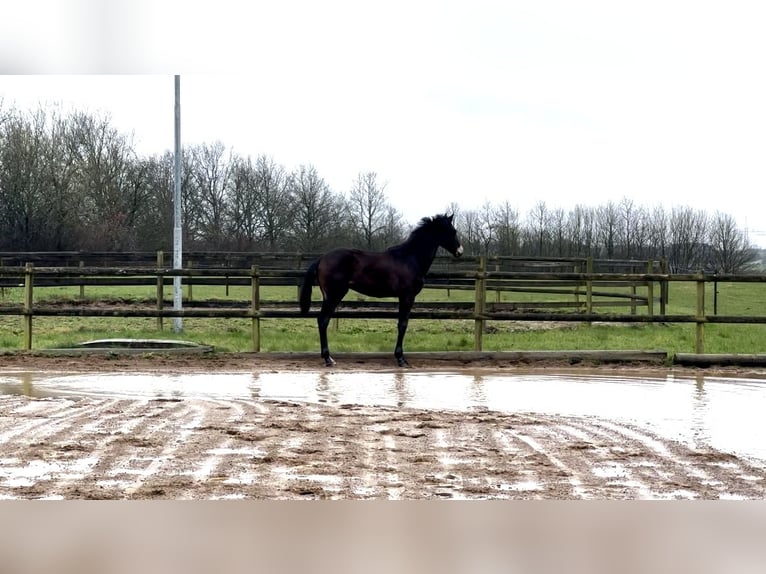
447 234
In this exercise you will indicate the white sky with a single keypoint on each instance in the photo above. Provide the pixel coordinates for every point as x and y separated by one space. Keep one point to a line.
467 102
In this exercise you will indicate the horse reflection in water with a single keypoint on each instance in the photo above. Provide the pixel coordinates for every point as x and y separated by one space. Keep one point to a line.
399 271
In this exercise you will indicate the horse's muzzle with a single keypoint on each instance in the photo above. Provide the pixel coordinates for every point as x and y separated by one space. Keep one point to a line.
459 251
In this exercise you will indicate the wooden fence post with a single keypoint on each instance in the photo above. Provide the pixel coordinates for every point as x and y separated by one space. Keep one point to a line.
576 269
82 287
715 296
664 290
633 295
28 299
650 291
700 335
498 290
227 264
189 290
589 286
480 303
298 265
160 288
255 306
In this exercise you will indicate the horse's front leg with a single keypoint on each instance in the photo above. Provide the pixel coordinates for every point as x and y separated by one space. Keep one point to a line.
405 306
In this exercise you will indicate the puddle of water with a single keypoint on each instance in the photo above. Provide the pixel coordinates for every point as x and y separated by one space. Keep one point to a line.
723 413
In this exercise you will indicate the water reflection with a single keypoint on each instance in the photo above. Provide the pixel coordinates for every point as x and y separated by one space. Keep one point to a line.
326 390
477 390
700 410
724 413
403 395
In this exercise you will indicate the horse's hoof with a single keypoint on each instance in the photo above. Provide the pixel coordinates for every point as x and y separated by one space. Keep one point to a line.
403 363
329 362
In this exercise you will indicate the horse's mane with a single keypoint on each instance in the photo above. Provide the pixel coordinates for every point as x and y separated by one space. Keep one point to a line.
423 227
428 221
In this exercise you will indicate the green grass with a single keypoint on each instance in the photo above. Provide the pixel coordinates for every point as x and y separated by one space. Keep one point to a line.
358 335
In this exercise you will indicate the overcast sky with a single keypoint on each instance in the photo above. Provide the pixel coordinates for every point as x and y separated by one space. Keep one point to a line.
468 102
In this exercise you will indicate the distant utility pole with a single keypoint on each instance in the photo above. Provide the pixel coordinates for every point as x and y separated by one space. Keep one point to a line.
178 325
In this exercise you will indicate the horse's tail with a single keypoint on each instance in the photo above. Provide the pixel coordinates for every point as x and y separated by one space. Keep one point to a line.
306 286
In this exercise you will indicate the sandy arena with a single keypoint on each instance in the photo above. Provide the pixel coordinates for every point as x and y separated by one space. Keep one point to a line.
177 448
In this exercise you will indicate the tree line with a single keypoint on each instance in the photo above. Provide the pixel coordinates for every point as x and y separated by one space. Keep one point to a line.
72 181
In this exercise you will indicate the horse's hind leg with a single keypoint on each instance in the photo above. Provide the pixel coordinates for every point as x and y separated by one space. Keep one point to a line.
329 304
405 306
322 322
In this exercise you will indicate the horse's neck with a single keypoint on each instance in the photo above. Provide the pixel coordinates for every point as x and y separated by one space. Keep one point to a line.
422 250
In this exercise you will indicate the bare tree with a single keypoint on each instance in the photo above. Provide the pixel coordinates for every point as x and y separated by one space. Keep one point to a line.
258 203
632 230
110 204
243 204
730 252
393 231
153 227
72 181
272 202
61 170
626 212
658 234
191 203
557 226
210 173
4 112
316 211
538 225
607 224
688 231
579 225
22 187
485 228
640 233
507 229
470 232
368 207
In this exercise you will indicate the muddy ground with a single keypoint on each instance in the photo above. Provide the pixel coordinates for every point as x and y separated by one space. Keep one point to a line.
113 448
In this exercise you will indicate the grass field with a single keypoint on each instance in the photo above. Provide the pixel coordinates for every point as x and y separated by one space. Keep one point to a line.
357 335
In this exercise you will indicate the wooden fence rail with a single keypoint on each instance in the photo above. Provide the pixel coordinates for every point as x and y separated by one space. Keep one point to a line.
481 280
297 259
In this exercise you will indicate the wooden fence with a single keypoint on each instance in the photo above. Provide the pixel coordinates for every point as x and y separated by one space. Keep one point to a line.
299 260
646 291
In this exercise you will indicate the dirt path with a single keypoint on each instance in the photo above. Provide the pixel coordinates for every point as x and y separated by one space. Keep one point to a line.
208 449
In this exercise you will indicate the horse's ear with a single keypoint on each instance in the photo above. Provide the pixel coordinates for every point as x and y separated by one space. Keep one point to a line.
450 216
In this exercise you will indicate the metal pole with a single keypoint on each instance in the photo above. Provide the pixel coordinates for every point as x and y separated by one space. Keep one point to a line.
177 250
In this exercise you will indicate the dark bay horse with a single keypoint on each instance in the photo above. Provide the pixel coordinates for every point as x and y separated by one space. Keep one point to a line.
396 272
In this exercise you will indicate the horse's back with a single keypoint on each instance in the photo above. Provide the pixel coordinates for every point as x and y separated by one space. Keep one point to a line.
337 265
339 258
377 274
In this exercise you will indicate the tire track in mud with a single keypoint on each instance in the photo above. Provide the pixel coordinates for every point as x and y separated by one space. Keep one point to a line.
198 447
676 470
636 463
211 449
44 420
560 478
170 435
587 457
62 432
93 442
